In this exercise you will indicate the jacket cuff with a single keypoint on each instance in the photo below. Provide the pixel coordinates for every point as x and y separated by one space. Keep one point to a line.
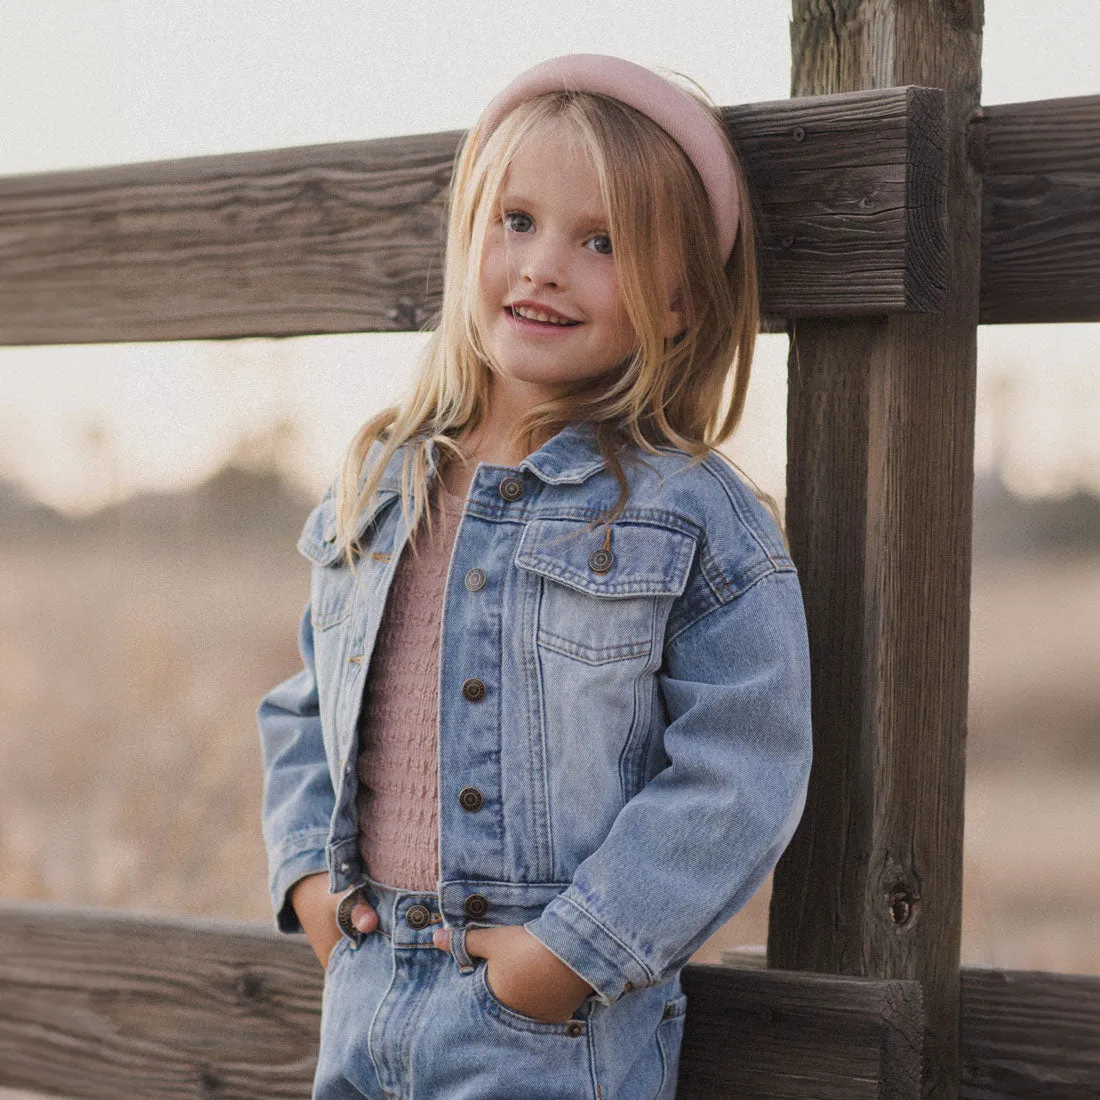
307 858
589 949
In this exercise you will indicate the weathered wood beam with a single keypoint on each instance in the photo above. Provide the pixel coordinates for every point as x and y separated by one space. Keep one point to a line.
103 1004
348 237
1040 165
879 485
100 1004
1029 1034
1023 1033
791 1036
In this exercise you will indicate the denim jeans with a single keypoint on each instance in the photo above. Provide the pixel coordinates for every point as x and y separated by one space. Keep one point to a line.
401 1018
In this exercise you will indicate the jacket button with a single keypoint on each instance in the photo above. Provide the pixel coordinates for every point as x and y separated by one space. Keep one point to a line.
418 916
473 689
574 1028
469 798
475 579
511 488
477 905
600 561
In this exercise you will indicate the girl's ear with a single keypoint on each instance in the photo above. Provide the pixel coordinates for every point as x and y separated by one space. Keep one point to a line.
674 317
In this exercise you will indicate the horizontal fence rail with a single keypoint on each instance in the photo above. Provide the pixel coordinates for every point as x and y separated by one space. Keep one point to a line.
103 1004
1040 210
348 237
98 1003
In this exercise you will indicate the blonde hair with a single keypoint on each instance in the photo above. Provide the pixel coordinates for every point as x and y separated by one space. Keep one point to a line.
668 393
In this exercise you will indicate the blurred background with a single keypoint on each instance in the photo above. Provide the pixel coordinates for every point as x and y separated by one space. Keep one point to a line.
151 496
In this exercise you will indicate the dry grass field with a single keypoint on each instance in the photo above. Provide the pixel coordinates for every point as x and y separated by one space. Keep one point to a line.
134 649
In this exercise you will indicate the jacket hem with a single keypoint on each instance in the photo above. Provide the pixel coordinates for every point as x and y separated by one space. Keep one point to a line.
307 859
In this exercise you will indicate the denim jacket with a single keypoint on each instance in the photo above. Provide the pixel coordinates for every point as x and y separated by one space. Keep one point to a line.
624 713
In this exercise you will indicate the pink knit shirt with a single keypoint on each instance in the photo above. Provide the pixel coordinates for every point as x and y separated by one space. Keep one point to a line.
398 781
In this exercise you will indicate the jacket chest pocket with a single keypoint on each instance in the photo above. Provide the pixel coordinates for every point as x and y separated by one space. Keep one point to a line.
332 585
604 600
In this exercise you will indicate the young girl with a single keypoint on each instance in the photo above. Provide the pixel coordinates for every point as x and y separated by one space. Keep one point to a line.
530 766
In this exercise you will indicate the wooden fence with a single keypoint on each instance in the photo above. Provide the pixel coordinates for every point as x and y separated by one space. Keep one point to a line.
896 215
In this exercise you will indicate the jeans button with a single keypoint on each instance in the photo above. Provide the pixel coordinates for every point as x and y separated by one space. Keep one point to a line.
477 905
418 916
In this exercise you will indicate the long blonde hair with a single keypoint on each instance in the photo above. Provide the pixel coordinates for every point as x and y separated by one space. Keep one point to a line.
669 392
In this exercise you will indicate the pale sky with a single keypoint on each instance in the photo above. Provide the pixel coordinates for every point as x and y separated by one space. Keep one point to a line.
90 82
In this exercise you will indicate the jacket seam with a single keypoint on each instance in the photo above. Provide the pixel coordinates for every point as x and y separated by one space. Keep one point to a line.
774 571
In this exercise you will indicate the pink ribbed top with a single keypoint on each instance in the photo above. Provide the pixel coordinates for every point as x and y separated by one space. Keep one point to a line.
397 766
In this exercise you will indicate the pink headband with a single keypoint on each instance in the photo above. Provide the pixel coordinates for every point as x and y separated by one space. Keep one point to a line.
682 117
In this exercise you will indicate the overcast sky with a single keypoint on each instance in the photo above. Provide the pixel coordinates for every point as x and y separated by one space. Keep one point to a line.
87 82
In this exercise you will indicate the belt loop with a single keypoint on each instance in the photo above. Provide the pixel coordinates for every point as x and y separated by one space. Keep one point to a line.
458 950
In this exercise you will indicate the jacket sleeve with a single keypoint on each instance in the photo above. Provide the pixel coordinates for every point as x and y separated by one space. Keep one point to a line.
690 849
298 798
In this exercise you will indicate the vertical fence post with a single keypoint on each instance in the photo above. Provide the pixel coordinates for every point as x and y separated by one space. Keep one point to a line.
880 475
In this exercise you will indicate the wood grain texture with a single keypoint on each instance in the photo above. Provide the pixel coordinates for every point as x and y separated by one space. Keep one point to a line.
880 461
349 237
108 1005
1026 1034
791 1036
117 1005
1023 1034
1040 166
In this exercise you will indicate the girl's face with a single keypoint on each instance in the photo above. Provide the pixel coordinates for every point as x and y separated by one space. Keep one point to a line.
549 308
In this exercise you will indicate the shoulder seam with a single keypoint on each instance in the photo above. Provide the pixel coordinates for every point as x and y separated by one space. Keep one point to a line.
776 570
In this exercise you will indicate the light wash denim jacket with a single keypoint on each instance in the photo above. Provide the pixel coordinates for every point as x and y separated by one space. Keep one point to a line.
624 727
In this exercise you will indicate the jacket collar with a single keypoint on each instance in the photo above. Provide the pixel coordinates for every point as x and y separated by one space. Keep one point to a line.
568 458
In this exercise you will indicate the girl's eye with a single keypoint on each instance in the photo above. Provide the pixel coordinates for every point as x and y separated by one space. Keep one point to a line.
517 221
600 243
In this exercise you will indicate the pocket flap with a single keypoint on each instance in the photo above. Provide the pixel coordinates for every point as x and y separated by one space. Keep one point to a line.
647 559
318 540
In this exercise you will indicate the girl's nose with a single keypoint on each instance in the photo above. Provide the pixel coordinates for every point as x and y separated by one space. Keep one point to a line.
542 262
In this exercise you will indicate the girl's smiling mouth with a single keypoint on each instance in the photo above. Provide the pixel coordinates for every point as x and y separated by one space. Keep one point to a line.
532 315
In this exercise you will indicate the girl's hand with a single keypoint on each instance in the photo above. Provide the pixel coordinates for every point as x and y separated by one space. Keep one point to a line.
523 975
316 909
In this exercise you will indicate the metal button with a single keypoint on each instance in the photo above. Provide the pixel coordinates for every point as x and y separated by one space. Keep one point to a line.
477 905
475 579
345 866
418 916
628 987
574 1028
473 689
600 561
670 1007
511 488
469 798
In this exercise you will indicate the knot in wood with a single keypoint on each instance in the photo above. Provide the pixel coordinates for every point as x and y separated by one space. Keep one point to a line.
798 133
249 986
904 906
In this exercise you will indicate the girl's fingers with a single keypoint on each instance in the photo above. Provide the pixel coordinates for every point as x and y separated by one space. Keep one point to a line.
474 936
364 916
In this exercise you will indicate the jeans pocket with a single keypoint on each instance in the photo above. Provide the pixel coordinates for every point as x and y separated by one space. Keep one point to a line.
670 1035
509 1017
